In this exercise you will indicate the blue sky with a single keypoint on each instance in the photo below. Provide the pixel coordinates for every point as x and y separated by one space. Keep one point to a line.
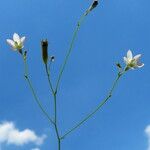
105 36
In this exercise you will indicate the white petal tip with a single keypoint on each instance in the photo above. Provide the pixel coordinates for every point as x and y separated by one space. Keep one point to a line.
129 54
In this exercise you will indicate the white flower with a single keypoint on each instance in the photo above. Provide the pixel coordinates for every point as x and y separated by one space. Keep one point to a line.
132 62
17 43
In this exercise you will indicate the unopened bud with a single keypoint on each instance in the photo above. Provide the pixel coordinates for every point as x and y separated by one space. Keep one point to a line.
93 5
25 55
52 58
118 65
44 45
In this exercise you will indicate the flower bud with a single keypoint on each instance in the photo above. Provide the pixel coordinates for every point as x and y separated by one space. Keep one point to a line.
118 65
93 5
25 55
52 59
44 44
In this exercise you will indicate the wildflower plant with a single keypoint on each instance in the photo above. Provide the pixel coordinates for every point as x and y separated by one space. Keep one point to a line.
17 44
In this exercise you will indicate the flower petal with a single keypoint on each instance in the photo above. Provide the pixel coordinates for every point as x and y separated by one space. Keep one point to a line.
23 39
125 60
137 57
16 38
11 43
139 64
129 54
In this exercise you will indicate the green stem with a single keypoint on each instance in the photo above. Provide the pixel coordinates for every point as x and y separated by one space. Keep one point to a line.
55 121
34 93
48 77
58 137
69 50
60 75
55 107
96 109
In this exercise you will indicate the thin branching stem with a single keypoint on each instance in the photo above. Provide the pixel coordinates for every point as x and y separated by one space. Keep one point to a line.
26 74
69 50
54 91
49 80
55 107
96 109
56 124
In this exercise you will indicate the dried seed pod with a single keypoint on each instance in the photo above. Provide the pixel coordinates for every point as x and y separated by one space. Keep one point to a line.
44 44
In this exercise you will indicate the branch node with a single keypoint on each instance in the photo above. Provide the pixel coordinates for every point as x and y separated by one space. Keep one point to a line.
26 76
110 95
